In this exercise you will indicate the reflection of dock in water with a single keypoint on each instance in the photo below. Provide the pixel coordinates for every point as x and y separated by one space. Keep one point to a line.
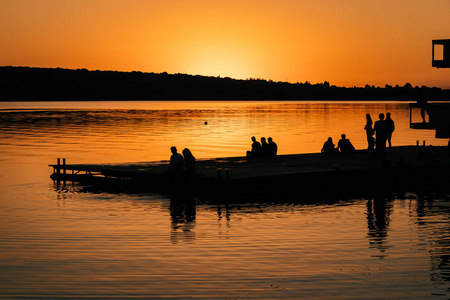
292 175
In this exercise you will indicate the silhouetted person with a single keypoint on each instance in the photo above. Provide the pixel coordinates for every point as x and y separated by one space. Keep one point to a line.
176 164
390 127
380 136
328 147
256 149
423 104
273 148
264 147
368 128
189 162
345 146
371 151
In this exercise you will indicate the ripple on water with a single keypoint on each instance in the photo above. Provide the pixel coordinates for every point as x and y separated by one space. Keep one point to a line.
80 243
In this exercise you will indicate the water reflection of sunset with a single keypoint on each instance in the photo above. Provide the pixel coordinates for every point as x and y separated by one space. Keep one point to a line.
146 131
84 241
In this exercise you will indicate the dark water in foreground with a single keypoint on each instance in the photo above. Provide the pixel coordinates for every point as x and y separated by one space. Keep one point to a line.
72 243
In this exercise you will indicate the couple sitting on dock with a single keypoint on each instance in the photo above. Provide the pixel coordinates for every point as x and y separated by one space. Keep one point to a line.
181 165
263 149
344 146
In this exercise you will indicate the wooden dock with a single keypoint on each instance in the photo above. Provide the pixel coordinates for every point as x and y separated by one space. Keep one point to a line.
287 175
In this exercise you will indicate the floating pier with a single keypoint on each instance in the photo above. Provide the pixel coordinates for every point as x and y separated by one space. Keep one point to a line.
284 175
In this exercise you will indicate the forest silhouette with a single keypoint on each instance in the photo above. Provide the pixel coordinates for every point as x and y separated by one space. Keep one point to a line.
26 83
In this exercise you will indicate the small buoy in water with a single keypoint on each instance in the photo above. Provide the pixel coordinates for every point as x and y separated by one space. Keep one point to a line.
206 123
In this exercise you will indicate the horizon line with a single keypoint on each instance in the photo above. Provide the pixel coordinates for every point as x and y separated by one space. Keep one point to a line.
226 77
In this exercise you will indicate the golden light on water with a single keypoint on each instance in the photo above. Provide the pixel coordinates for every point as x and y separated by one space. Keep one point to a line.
145 131
84 241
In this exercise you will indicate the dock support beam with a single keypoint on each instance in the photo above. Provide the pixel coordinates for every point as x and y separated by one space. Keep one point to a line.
423 143
57 170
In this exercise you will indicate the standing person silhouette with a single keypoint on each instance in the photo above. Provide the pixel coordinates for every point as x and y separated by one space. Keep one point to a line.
368 128
423 104
380 136
390 127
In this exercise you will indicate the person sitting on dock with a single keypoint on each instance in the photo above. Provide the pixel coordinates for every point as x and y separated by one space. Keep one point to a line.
371 151
256 149
273 148
189 162
328 147
176 166
264 147
345 146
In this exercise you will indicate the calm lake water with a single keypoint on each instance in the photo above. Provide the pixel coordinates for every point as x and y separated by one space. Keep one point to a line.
71 243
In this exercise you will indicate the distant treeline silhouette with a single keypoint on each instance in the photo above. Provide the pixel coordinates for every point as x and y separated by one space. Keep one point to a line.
25 83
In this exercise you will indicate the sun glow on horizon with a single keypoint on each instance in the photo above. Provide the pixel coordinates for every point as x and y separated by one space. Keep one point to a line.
349 43
217 59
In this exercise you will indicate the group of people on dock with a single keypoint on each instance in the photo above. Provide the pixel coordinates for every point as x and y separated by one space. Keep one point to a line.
181 165
383 129
344 146
263 149
376 146
184 165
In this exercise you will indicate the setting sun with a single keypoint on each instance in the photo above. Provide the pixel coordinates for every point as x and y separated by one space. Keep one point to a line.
350 43
224 149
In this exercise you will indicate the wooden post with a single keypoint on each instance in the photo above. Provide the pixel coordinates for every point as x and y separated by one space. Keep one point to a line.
424 143
64 171
227 173
58 172
58 168
410 117
219 172
417 143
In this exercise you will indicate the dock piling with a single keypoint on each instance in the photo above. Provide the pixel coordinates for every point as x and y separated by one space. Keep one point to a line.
58 171
58 168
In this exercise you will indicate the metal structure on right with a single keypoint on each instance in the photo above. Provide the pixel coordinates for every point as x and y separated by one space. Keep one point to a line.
438 114
437 62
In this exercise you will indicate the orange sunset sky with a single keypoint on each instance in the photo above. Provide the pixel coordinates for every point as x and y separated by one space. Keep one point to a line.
346 42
